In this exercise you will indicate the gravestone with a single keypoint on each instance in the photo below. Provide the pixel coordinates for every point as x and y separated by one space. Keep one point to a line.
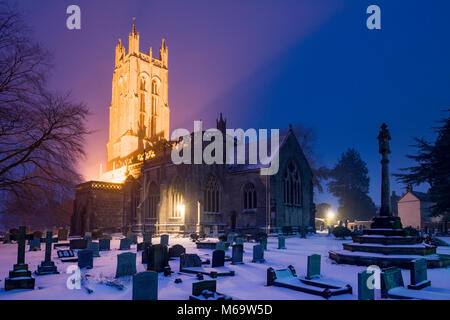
176 250
62 234
281 242
366 288
258 253
48 266
35 244
147 237
145 286
158 258
126 264
20 276
104 244
221 246
94 246
125 244
263 242
78 244
133 238
88 236
85 259
237 254
419 278
218 258
7 238
239 240
230 238
313 270
164 240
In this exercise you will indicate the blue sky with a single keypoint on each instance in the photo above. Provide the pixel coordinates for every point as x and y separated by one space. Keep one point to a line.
266 64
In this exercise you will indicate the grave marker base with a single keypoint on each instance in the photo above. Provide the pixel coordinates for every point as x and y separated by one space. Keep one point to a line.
46 268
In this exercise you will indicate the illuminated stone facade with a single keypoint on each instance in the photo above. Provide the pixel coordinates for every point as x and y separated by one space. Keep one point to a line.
139 111
150 193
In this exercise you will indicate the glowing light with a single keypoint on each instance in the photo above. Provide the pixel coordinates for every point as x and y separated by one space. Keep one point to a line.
114 176
331 215
180 209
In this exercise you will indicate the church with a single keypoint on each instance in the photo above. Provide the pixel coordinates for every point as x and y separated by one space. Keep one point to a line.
143 190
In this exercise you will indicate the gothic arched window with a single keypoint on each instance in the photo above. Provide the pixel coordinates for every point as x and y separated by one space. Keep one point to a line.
153 200
249 193
154 87
292 185
143 83
177 199
212 195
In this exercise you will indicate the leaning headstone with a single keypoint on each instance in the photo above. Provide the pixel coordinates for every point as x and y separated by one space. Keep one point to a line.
258 254
125 244
48 266
94 246
20 276
85 259
237 254
62 234
78 244
35 244
176 250
145 286
366 288
104 244
218 258
164 240
158 258
281 242
126 264
313 266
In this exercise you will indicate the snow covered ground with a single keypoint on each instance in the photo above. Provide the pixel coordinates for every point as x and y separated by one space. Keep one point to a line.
249 282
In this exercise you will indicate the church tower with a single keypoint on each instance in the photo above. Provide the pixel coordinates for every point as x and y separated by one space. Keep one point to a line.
139 111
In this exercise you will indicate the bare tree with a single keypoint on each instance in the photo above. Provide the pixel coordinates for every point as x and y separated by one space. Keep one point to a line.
41 133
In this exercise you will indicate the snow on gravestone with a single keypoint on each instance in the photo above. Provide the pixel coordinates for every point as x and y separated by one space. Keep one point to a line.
126 264
145 286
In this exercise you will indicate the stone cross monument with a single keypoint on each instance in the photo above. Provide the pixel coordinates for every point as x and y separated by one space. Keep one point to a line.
385 220
383 142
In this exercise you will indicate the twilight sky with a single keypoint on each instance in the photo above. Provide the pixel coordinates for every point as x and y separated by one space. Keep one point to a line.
266 64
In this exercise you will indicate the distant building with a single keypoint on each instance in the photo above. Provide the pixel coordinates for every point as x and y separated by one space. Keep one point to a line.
414 209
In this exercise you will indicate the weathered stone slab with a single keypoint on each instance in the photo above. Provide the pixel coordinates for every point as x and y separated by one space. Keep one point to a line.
145 286
85 259
126 264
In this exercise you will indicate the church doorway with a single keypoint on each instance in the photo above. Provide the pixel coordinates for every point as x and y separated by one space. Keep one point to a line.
233 220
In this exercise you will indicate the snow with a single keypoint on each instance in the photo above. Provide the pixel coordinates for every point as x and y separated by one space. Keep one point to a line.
249 282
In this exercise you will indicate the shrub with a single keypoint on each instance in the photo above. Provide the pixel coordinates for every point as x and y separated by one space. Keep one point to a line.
411 232
341 232
37 234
